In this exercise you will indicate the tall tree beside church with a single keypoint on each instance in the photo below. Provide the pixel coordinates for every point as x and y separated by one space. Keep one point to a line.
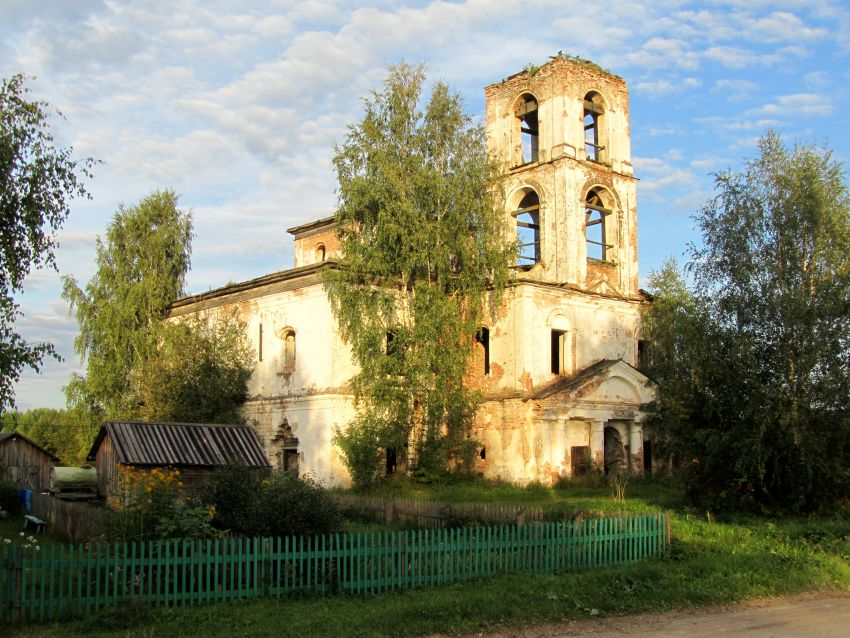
424 253
141 269
756 379
37 182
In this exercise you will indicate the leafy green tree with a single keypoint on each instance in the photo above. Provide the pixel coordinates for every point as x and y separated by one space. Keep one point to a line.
754 360
54 430
138 365
37 183
200 372
141 270
424 253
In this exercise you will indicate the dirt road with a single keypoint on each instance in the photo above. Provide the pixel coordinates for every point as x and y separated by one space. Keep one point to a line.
824 615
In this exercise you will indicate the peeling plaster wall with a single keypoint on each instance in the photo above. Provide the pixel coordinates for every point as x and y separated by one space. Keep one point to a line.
313 420
312 397
563 175
520 339
307 245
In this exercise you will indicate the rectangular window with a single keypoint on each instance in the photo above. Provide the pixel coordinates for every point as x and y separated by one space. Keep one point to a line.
558 339
260 342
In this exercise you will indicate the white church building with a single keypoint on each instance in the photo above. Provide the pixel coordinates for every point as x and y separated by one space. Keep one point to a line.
557 367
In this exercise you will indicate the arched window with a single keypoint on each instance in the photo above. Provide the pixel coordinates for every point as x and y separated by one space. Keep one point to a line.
529 129
596 226
321 253
289 351
527 217
593 114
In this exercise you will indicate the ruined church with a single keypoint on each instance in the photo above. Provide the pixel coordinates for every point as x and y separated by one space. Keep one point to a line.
557 366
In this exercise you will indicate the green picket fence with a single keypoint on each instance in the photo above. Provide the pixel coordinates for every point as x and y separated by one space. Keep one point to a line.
81 579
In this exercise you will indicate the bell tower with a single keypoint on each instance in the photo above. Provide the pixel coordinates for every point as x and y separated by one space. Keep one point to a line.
561 135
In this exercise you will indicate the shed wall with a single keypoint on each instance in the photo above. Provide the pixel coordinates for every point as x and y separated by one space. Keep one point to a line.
24 464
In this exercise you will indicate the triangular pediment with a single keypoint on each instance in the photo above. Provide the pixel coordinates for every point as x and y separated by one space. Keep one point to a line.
608 381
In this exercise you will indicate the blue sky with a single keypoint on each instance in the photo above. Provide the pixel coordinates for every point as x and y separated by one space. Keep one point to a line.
237 105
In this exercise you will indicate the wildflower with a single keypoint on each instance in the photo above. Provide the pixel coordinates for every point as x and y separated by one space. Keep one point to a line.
8 541
37 548
21 534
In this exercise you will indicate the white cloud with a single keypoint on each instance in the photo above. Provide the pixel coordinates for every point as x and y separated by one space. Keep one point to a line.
659 53
663 86
796 105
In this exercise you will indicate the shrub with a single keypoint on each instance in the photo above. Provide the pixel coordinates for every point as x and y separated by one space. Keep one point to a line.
278 503
235 493
290 505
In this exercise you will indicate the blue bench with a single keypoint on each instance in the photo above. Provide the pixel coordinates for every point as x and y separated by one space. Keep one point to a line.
36 522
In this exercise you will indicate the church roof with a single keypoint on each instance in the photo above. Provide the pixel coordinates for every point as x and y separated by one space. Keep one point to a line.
581 378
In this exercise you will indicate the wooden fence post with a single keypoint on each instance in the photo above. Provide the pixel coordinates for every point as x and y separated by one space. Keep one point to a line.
667 521
521 517
15 557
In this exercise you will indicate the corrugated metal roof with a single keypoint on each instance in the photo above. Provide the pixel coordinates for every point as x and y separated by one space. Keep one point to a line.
197 444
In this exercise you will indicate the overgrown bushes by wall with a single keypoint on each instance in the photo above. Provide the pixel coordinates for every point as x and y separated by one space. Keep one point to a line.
257 502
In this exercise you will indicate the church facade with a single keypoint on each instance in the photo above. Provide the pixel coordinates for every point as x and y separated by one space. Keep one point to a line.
557 366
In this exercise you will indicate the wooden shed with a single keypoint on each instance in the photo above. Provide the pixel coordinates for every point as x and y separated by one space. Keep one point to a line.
24 462
196 449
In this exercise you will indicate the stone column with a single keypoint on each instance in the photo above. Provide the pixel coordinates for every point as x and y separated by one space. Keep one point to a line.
597 445
559 447
636 447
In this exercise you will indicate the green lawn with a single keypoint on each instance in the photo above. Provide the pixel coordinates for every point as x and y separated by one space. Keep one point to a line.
711 561
12 527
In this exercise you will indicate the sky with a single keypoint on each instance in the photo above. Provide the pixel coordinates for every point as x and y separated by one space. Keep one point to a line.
237 106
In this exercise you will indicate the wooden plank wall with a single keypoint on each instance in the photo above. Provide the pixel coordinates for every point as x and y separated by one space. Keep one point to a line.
74 521
106 463
25 464
434 514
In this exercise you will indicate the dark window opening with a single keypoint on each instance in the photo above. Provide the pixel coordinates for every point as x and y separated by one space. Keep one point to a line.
289 462
289 455
482 337
260 343
392 343
527 217
529 128
641 353
392 460
558 339
647 457
483 453
592 116
320 252
596 227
